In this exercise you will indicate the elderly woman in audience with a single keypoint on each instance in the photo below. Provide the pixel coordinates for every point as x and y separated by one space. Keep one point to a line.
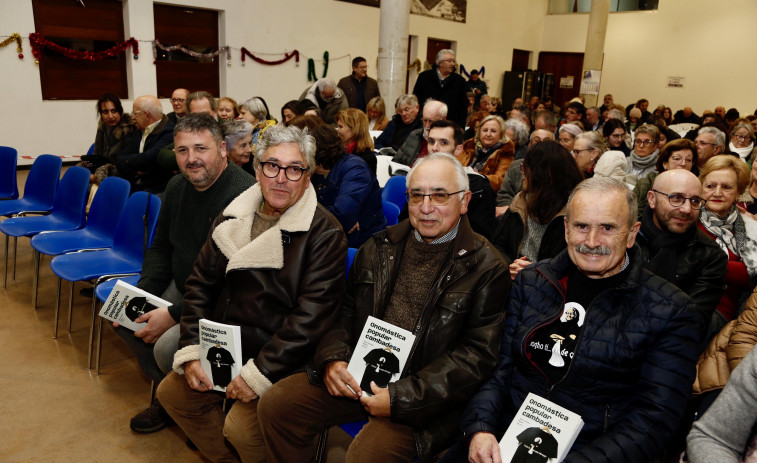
376 111
518 132
567 135
742 140
724 178
227 109
347 187
490 152
587 149
255 111
643 158
532 228
615 134
352 127
677 154
112 130
288 112
238 137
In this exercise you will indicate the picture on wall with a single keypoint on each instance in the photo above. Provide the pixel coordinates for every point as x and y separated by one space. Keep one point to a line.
451 10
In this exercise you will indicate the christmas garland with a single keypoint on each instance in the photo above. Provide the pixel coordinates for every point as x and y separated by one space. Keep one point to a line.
311 67
17 38
38 43
287 57
156 44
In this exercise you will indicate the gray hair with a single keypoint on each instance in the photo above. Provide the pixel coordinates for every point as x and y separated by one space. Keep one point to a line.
649 129
199 122
719 135
256 107
616 114
442 106
520 131
279 135
602 186
443 52
407 98
235 130
596 140
462 177
324 83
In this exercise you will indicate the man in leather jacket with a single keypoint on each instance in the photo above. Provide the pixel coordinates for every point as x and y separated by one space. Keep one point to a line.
431 275
273 264
627 364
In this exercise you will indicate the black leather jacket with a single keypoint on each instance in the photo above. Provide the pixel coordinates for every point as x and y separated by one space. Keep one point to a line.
457 334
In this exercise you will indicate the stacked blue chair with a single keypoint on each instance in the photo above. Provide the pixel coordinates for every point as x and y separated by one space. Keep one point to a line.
39 191
67 213
97 234
8 164
391 212
134 232
394 191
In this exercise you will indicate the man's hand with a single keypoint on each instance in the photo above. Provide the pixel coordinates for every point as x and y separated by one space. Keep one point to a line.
517 266
196 377
158 321
238 389
380 404
337 378
499 211
355 228
484 448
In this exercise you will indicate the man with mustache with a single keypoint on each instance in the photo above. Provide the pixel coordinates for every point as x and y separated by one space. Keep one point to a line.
629 370
192 200
674 248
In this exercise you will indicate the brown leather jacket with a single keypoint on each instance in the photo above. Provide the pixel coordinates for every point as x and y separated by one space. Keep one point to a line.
284 288
457 336
496 166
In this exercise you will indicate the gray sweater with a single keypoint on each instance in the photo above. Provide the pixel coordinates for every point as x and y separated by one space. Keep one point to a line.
721 434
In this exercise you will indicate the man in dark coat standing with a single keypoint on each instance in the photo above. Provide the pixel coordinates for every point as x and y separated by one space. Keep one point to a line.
358 88
444 84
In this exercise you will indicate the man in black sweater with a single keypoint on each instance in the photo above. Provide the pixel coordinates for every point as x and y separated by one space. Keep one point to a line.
192 200
444 84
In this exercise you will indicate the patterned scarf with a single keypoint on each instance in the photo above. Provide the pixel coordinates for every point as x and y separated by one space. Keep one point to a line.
730 235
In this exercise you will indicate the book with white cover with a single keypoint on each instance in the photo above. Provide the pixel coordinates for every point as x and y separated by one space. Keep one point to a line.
126 303
541 431
380 354
220 352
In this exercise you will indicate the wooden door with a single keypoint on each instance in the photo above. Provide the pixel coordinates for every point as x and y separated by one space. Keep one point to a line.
520 60
433 46
564 66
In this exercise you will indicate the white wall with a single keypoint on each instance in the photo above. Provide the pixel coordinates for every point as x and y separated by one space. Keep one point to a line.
709 43
34 126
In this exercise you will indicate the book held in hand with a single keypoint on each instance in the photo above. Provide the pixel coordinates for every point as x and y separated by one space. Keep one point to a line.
380 354
541 431
126 303
220 352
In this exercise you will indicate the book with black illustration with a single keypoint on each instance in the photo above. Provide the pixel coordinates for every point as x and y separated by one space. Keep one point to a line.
126 303
220 352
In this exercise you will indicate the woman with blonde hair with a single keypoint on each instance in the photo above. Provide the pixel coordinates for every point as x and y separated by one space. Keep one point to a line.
352 126
376 111
228 110
490 152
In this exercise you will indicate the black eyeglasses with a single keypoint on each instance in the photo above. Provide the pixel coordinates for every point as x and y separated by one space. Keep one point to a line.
678 200
439 198
271 170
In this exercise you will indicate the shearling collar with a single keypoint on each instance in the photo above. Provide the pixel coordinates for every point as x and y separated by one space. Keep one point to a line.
232 236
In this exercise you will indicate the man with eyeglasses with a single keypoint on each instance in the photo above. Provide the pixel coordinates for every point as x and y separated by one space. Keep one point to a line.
179 103
674 248
416 145
431 275
358 88
401 124
710 142
273 264
442 83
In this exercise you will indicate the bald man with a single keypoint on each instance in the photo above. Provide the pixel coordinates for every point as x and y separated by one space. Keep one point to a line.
138 161
674 248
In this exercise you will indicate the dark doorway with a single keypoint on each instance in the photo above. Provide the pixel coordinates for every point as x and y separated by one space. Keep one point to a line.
520 60
433 46
563 66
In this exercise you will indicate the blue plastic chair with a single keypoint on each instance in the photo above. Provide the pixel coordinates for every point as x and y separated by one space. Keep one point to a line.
91 149
134 233
97 234
39 190
103 288
391 212
67 213
350 258
394 191
8 165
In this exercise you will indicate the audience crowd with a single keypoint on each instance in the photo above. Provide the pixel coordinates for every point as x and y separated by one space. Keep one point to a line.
619 280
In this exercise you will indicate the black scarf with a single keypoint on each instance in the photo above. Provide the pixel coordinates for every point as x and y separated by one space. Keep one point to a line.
664 246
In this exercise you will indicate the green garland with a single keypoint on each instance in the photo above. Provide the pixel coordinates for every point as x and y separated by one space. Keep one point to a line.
325 63
311 67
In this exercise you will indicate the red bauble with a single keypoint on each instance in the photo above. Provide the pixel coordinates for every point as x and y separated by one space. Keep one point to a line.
20 56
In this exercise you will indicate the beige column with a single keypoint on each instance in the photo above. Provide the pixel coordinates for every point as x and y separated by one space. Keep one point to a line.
392 52
595 41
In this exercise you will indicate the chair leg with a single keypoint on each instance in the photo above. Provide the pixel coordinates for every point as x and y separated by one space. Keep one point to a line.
99 344
57 309
5 274
35 278
153 391
92 332
15 254
70 306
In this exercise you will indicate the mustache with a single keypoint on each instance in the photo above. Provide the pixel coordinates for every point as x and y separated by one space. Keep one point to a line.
193 165
598 251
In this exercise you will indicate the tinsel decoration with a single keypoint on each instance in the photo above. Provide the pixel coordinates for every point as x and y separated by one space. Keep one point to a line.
38 43
311 70
156 44
17 38
415 65
287 57
325 63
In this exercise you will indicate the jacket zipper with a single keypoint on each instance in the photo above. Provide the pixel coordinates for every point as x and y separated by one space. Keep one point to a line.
607 417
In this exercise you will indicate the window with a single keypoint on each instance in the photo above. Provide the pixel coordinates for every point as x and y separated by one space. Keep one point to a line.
584 6
196 30
97 27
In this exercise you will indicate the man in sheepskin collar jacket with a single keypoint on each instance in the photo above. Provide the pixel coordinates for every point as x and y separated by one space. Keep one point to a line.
273 264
